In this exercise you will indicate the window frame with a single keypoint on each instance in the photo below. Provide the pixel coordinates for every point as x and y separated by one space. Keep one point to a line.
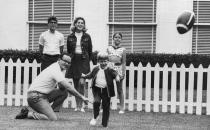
33 22
197 24
153 24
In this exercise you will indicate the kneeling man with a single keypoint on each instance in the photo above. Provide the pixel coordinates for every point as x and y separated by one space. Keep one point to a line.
43 89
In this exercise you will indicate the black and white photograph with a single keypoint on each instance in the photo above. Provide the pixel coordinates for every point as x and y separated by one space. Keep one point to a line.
105 64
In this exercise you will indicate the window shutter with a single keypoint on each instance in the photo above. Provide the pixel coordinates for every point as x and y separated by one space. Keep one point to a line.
201 30
30 10
129 18
40 10
65 29
63 10
144 39
111 10
201 36
34 32
122 11
202 11
144 11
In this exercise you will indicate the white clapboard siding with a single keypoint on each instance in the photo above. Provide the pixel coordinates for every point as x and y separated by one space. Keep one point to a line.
137 98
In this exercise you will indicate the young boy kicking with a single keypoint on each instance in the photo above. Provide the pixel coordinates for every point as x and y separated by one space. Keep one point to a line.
102 88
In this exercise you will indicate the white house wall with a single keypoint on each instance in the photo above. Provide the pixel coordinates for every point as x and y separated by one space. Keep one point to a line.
95 13
168 40
14 27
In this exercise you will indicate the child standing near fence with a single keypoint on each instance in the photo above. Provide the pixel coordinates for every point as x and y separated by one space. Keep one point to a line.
117 58
102 88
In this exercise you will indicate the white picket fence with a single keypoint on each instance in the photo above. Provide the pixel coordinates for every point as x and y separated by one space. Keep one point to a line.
149 92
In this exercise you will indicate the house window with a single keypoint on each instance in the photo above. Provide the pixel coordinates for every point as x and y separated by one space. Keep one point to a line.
136 20
40 10
201 29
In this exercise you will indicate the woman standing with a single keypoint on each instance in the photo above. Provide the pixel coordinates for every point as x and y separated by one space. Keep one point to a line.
117 58
79 47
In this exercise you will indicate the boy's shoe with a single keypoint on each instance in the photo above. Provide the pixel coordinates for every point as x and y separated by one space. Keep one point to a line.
75 109
121 112
82 110
104 126
93 122
23 113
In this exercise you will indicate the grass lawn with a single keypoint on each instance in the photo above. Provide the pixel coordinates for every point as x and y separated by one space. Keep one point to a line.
70 120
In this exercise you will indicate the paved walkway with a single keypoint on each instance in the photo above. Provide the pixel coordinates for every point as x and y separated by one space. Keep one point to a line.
70 120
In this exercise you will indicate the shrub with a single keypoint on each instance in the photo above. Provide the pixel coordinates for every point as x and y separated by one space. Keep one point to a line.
144 58
21 54
170 59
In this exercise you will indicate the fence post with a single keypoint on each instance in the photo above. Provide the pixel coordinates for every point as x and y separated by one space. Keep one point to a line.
182 89
165 88
18 83
208 92
190 90
34 70
156 87
10 82
173 88
148 88
2 81
131 87
139 87
199 90
26 82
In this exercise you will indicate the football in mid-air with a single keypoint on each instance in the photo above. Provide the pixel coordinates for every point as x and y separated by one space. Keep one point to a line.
185 21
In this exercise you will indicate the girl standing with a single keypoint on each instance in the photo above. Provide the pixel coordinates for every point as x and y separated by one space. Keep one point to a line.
117 58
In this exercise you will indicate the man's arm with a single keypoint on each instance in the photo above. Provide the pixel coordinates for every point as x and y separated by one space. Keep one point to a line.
61 49
41 48
41 43
89 75
72 90
61 44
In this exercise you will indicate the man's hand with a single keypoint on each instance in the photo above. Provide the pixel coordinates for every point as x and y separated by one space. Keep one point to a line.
86 100
83 75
